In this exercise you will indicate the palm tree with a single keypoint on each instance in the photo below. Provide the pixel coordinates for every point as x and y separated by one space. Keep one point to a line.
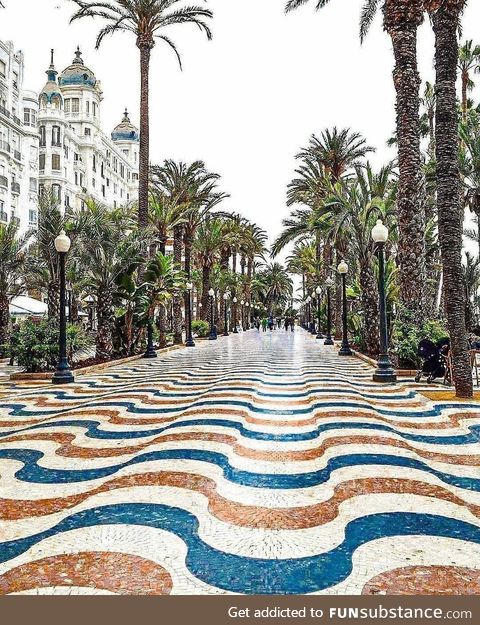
468 62
193 189
147 20
278 286
109 248
208 244
401 20
353 208
12 272
445 15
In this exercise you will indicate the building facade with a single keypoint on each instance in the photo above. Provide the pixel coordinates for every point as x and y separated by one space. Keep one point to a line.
19 142
77 160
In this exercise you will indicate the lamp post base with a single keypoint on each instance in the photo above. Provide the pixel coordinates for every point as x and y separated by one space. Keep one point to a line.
150 353
189 343
63 376
345 351
329 341
235 331
320 336
385 373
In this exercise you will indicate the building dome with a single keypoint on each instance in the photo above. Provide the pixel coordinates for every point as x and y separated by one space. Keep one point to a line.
77 74
125 131
51 93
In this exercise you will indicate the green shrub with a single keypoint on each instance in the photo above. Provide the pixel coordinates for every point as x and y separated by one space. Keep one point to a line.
200 328
37 344
406 337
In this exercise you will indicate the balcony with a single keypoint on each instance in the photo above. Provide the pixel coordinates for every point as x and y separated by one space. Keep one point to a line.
8 115
4 182
16 188
5 147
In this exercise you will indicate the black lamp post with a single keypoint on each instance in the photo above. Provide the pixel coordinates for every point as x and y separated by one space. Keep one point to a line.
63 374
235 329
313 329
213 329
345 349
385 372
188 314
329 341
309 312
318 291
226 295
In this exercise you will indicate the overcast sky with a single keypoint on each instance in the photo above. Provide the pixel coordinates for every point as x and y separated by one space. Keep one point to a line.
246 101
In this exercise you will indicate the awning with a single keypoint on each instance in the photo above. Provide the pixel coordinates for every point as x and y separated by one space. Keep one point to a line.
27 306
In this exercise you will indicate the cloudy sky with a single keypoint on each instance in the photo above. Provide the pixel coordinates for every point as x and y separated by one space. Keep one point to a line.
246 101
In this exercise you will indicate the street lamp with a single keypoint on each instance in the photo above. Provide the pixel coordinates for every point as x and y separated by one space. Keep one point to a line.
385 372
345 349
235 329
189 342
247 320
225 308
318 291
329 283
213 329
63 374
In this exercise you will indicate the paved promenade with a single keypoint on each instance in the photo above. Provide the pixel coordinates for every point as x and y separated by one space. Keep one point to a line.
262 463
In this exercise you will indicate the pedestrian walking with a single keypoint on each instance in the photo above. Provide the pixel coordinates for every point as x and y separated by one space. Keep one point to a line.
264 324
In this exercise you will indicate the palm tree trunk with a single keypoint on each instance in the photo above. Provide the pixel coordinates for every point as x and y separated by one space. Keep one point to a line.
162 313
4 319
450 217
369 301
53 299
144 154
103 340
465 96
177 298
205 297
410 200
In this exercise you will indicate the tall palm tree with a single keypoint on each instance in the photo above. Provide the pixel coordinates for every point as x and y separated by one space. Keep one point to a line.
402 19
445 15
13 248
147 20
468 62
278 286
208 244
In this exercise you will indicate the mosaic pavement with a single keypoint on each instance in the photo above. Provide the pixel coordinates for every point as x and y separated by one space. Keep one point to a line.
261 463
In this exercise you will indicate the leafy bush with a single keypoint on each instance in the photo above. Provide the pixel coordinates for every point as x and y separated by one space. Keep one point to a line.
200 328
37 344
406 337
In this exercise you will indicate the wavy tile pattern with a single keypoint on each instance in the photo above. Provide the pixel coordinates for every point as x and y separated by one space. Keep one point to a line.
262 463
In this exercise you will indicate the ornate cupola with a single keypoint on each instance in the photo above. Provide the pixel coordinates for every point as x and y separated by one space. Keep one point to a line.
51 94
77 74
125 131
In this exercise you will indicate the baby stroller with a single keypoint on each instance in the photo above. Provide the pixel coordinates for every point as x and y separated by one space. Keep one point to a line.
434 356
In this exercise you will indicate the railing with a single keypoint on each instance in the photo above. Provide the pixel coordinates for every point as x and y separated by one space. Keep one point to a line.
4 182
15 187
9 115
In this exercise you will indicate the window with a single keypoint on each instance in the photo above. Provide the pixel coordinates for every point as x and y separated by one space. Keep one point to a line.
75 105
87 107
94 107
29 117
102 170
66 151
56 136
56 162
94 163
57 192
93 182
33 185
67 201
3 69
15 80
103 190
76 178
88 132
41 162
32 216
67 105
43 136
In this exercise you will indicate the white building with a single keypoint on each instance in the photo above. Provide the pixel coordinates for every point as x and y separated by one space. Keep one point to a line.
77 159
18 142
